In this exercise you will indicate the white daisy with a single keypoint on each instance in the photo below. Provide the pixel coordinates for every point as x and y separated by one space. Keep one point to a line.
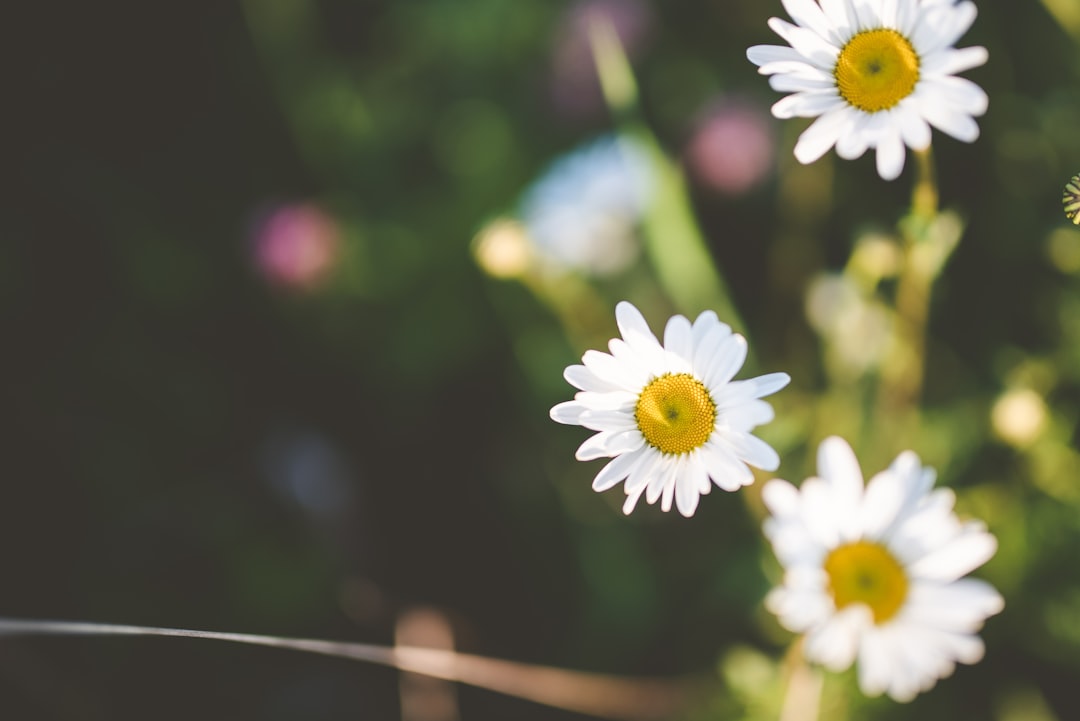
875 74
670 415
875 572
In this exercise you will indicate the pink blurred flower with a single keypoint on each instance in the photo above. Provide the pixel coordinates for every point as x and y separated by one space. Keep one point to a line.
575 87
296 245
731 149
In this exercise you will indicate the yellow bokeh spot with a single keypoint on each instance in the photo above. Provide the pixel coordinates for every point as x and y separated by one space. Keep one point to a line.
502 249
675 413
876 70
865 572
1019 417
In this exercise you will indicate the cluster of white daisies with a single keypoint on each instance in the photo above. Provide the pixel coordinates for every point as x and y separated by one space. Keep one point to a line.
872 571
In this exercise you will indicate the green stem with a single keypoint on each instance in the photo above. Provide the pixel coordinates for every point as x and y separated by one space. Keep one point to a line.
903 377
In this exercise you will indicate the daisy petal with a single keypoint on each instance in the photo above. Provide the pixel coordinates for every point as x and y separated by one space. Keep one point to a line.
568 412
764 54
822 134
616 470
890 155
608 444
952 61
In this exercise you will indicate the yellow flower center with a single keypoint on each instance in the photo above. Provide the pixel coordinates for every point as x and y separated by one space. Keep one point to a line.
675 413
865 572
876 70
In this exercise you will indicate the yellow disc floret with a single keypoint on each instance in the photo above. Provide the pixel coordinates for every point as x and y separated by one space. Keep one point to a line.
876 70
865 572
675 413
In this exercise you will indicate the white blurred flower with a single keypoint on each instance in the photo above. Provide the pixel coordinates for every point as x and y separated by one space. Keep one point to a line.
857 330
583 212
670 415
875 74
875 572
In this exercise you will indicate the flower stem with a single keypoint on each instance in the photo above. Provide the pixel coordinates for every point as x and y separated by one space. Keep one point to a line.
803 697
902 377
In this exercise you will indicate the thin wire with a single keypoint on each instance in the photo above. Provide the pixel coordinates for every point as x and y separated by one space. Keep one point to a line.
606 696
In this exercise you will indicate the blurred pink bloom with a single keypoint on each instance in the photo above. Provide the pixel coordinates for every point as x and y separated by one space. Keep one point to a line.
731 149
575 87
295 245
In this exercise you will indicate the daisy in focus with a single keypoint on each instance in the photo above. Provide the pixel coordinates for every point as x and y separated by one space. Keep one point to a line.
875 74
670 416
875 572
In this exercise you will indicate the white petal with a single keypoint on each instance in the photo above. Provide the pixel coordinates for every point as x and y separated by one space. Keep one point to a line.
768 384
708 325
952 61
780 497
840 16
608 444
807 14
727 361
958 93
819 513
747 416
617 470
621 420
792 83
837 464
808 43
914 130
960 606
633 328
663 475
610 369
948 119
754 451
957 558
584 379
907 11
882 502
678 337
835 643
876 661
854 138
669 488
688 485
890 155
942 26
764 54
632 499
726 471
568 412
867 13
822 134
807 104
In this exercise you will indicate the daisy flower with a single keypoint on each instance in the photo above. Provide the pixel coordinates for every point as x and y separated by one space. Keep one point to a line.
874 572
670 415
583 212
875 74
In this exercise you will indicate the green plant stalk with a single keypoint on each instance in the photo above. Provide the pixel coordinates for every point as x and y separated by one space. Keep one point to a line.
673 241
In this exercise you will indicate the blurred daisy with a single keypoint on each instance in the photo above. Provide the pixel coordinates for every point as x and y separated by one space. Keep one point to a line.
583 212
1070 197
875 74
875 572
670 415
